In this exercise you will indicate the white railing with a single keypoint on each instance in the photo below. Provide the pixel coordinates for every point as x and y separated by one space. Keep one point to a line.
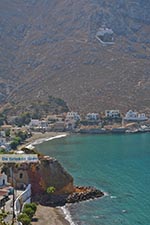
24 197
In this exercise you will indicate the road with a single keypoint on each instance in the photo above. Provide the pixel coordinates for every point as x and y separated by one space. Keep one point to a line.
9 208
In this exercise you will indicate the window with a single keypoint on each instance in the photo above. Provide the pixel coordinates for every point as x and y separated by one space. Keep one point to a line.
21 175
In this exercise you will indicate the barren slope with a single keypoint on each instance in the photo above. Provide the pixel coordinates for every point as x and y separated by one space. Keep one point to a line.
49 48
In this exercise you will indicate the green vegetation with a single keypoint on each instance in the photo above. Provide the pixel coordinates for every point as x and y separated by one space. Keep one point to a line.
35 110
24 219
2 217
7 133
2 151
2 119
28 212
22 119
18 139
50 190
52 105
32 205
15 142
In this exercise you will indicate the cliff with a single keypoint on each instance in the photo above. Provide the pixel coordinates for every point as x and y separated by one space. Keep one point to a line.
49 172
45 173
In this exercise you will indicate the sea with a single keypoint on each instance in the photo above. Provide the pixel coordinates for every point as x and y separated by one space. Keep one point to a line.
118 164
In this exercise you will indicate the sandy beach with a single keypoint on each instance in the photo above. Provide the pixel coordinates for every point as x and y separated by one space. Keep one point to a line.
49 216
38 137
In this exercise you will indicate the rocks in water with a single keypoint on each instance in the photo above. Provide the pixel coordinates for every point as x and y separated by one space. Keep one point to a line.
84 193
79 194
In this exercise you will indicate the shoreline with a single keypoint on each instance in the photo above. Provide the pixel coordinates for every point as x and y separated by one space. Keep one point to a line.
45 214
50 216
38 138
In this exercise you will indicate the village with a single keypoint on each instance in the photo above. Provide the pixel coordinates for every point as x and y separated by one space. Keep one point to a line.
12 136
111 121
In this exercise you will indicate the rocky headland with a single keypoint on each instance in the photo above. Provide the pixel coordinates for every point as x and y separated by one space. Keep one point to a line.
49 173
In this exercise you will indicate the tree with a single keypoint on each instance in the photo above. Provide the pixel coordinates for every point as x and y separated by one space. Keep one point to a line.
2 150
29 211
14 144
7 133
50 190
22 134
32 205
23 119
24 219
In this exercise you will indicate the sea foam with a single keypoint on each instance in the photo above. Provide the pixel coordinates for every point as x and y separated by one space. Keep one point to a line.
67 215
41 140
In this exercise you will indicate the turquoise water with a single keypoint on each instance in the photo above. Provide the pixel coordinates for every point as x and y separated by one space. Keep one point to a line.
116 164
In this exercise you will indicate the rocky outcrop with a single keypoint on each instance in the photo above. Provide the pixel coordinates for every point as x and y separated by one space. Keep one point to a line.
84 193
79 194
49 172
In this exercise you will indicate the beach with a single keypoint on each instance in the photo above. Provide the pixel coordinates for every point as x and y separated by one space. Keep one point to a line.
49 216
38 137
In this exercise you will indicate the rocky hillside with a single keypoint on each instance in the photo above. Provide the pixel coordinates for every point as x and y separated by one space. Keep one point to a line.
49 48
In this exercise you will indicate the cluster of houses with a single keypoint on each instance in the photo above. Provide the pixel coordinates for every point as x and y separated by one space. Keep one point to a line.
74 122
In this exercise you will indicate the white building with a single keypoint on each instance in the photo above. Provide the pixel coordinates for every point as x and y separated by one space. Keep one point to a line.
112 114
71 119
38 123
135 116
105 35
34 123
92 116
3 179
73 116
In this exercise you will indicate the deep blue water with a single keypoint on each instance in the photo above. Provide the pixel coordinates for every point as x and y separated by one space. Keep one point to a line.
116 164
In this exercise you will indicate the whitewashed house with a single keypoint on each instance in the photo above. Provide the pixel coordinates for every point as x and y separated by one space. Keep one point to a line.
105 35
92 116
3 179
73 116
135 116
112 114
71 120
35 123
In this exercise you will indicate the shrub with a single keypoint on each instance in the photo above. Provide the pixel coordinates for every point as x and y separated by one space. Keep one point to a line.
29 211
24 219
32 206
50 190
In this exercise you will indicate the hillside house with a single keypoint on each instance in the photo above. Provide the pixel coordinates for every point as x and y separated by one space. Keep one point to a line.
135 116
105 35
71 120
73 116
3 179
92 116
59 126
114 114
35 123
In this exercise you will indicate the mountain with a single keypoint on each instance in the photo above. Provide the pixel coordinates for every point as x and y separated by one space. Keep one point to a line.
49 48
